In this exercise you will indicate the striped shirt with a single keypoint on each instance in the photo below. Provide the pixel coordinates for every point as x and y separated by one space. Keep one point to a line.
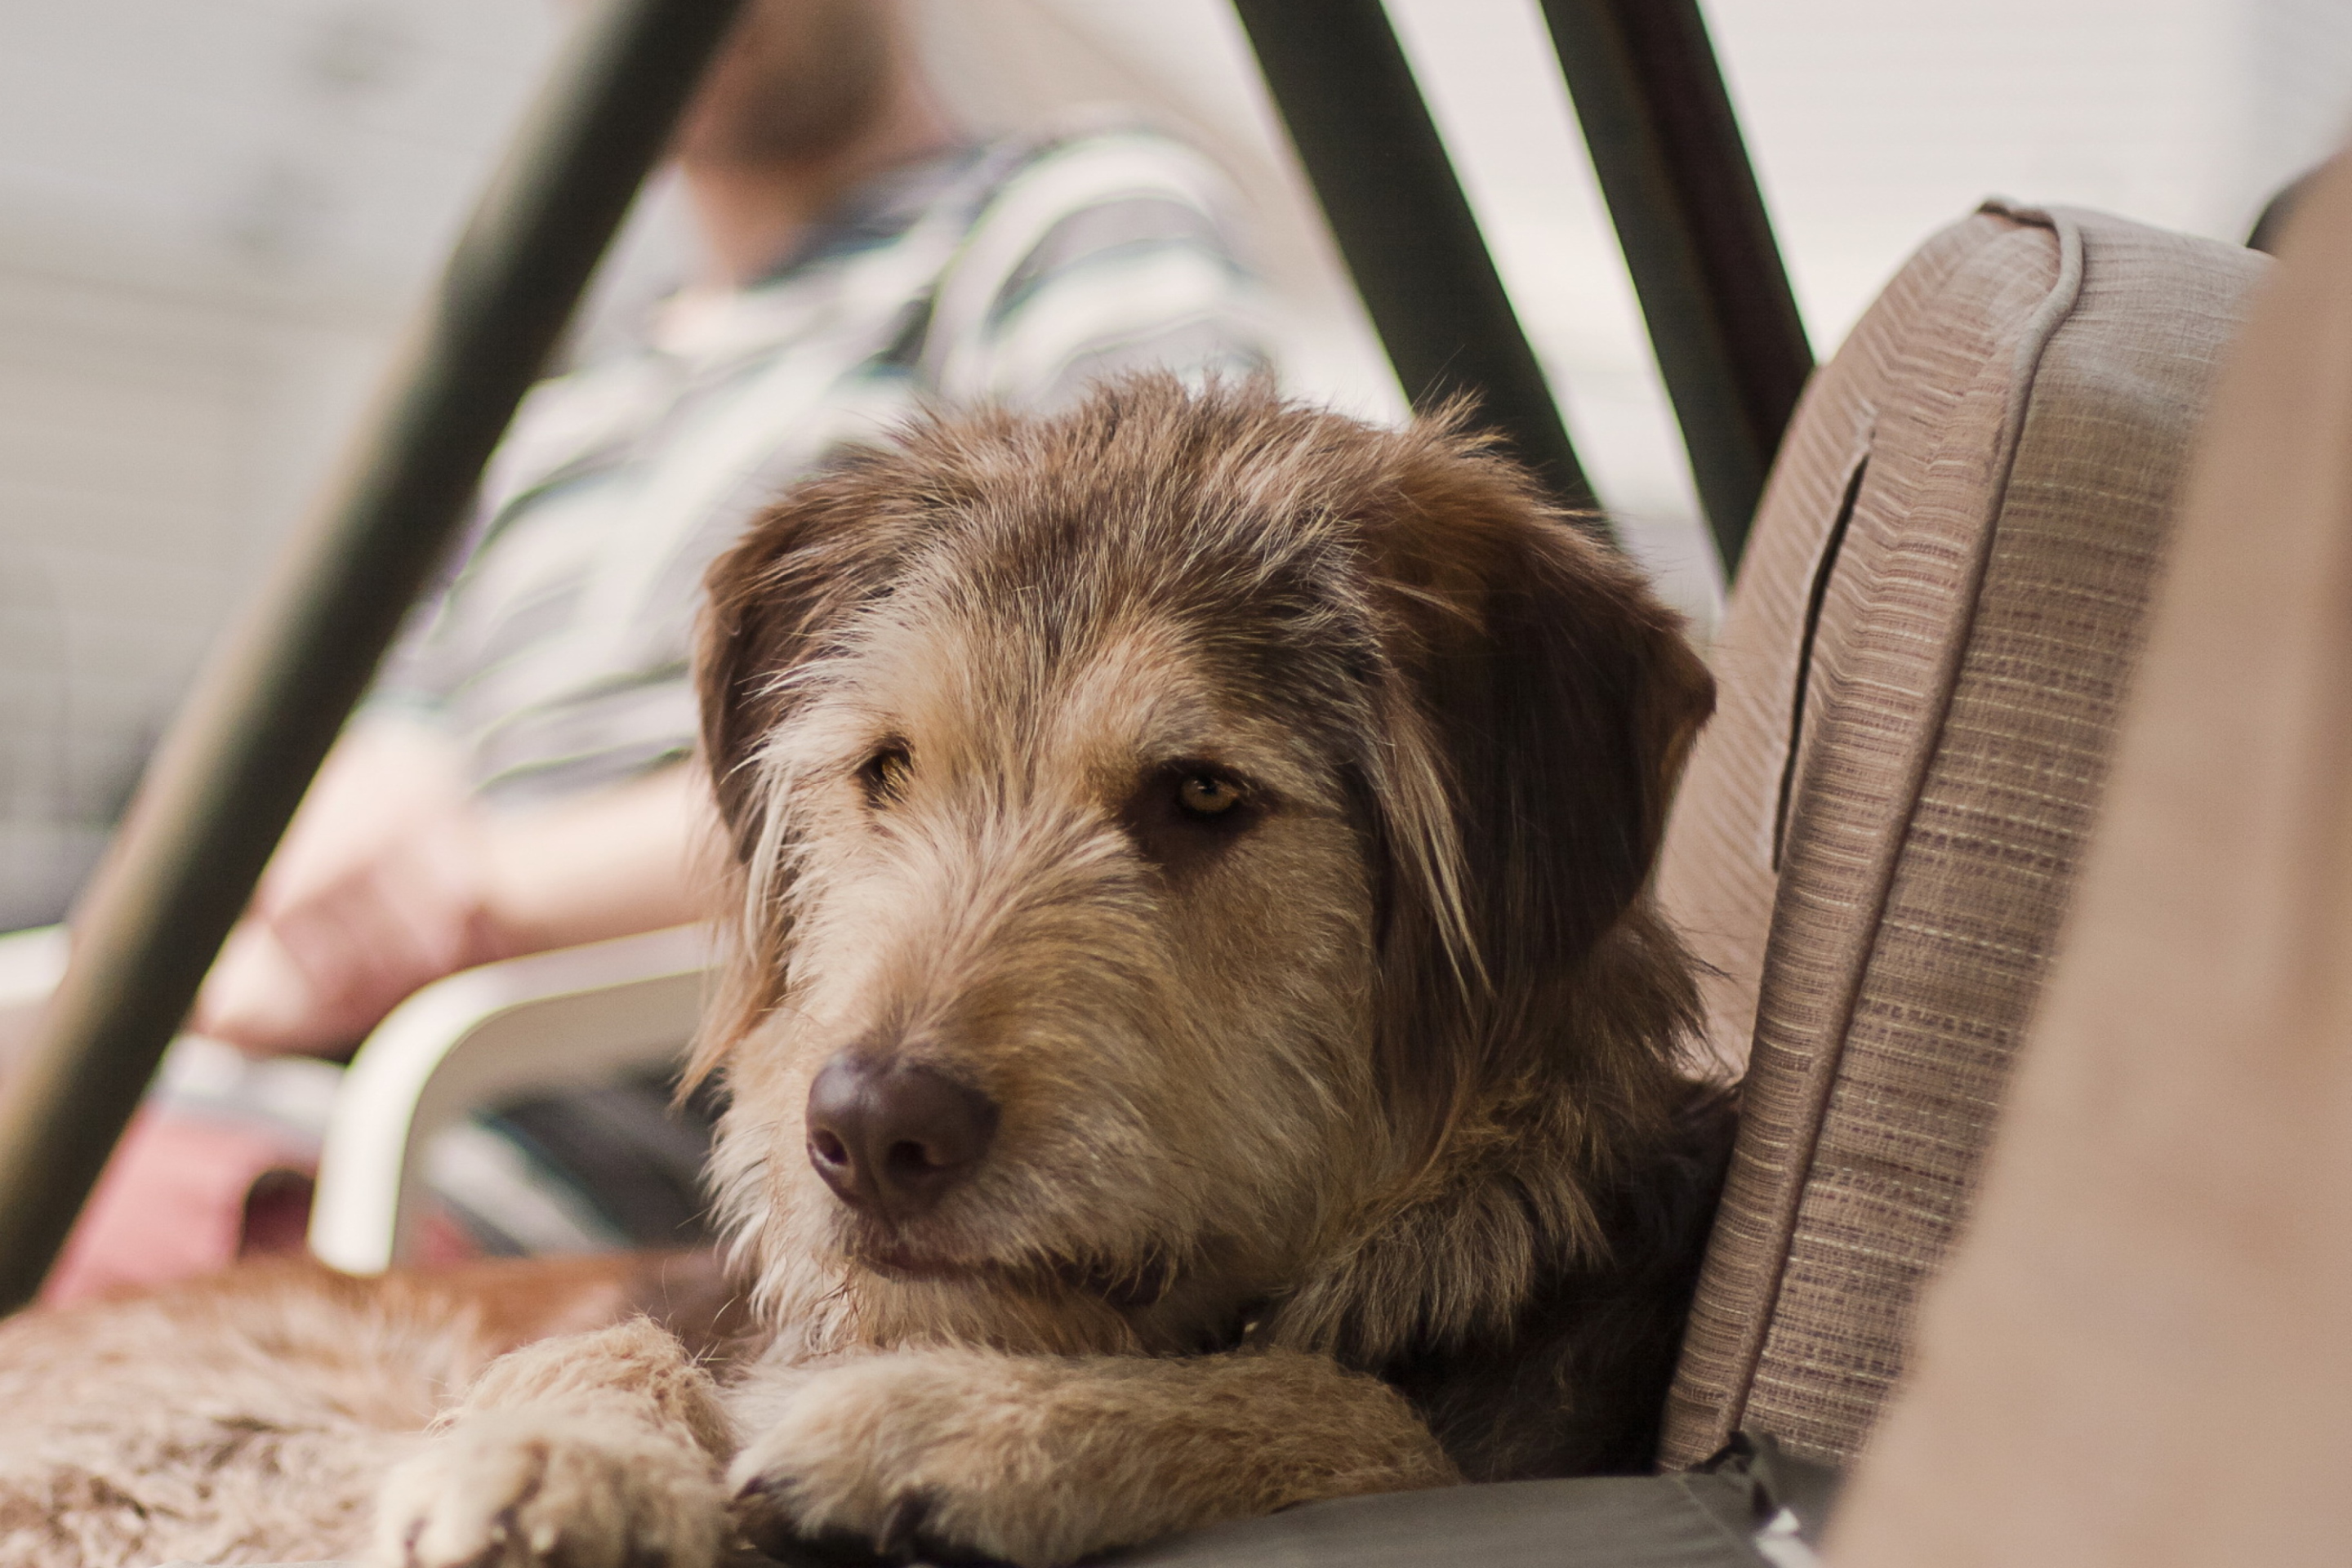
1016 272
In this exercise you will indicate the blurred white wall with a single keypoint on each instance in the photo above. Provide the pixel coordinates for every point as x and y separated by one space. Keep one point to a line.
214 217
1873 120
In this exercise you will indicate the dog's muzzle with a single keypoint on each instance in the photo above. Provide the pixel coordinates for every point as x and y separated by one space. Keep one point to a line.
892 1137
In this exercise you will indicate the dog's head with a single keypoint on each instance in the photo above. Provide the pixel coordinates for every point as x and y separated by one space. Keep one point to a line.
1157 830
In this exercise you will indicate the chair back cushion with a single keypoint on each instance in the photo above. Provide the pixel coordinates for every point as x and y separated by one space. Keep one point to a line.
1920 671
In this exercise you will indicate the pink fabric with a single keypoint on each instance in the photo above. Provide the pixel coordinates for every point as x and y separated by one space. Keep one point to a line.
171 1204
175 1202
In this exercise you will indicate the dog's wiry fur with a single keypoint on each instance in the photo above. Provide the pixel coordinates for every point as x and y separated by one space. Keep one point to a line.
1343 1144
251 1418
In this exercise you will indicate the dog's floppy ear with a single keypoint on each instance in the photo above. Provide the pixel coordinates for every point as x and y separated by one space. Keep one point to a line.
779 598
776 599
1543 703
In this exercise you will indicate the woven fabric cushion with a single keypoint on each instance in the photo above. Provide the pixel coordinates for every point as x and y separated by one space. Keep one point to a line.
1920 673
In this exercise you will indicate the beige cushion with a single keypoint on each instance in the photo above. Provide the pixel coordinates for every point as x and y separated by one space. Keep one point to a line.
1921 669
2141 1354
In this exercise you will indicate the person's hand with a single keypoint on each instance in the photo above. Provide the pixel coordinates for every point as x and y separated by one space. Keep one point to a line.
379 886
314 968
392 877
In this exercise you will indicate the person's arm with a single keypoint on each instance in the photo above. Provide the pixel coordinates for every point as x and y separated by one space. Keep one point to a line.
617 861
392 877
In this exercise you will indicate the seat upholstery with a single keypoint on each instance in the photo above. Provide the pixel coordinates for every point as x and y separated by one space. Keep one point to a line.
2137 1356
1920 672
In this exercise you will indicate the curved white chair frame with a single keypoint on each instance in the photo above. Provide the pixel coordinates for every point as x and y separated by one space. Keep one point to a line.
32 961
577 1015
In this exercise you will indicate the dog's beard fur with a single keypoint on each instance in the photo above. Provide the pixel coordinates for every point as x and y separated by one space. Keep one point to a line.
1347 1076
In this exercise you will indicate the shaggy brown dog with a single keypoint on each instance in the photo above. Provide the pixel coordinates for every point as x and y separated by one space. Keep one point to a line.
1197 1040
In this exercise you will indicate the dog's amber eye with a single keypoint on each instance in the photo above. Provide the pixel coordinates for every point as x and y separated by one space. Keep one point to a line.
1186 813
884 775
1207 795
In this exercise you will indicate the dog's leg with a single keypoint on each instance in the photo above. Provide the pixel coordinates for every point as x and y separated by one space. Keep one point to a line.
599 1450
1039 1460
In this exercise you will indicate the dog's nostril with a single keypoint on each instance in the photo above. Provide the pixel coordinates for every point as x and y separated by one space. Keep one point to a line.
894 1136
912 1158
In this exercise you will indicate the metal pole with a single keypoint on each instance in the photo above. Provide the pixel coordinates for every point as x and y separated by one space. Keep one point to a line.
262 716
1722 319
1346 95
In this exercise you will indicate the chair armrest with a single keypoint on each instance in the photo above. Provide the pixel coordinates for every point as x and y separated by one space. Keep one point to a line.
32 961
575 1015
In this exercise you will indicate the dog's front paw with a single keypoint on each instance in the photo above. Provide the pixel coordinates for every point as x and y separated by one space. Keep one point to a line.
947 1456
520 1488
931 1457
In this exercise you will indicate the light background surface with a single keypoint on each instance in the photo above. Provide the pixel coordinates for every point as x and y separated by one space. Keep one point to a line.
215 216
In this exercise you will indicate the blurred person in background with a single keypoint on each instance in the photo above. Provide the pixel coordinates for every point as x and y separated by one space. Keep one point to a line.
520 778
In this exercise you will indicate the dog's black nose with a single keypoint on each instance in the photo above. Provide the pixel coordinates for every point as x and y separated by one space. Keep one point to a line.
894 1136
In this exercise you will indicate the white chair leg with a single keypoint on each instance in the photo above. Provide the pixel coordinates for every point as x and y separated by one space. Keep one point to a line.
578 1015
